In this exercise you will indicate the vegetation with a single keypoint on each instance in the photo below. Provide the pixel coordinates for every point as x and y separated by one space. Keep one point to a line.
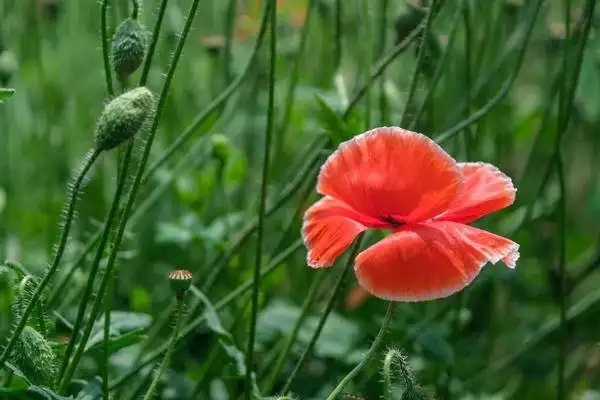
157 158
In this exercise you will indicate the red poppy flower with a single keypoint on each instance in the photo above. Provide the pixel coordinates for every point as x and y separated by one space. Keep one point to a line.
391 178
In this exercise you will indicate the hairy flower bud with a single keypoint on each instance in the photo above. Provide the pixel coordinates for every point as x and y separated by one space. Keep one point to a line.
181 280
34 355
416 393
123 117
128 48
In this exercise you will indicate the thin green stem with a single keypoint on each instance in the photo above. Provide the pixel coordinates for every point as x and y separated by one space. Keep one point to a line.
372 350
105 51
483 111
106 340
325 315
229 30
383 25
228 299
337 57
87 163
439 70
134 189
263 198
93 272
165 362
153 42
291 339
218 102
420 56
135 9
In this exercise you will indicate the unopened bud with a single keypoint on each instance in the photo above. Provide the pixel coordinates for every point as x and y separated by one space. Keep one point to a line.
181 280
34 355
123 117
416 393
128 48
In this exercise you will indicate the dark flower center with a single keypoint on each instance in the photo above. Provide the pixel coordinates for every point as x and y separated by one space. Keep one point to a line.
391 220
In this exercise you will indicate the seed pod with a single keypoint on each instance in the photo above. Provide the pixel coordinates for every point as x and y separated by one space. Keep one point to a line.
123 117
128 48
34 355
181 280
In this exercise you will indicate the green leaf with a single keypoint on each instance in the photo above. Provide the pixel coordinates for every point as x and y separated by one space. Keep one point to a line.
6 93
336 128
126 328
92 390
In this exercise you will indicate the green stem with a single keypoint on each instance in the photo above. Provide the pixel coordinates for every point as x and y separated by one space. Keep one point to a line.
439 70
263 198
218 102
372 350
135 9
165 362
87 163
153 42
93 272
383 25
325 315
134 189
105 41
483 111
291 339
106 340
193 325
337 58
420 56
229 30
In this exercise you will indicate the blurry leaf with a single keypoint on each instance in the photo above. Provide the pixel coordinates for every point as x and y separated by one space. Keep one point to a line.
434 345
336 128
218 390
92 390
225 338
121 323
170 232
6 93
140 299
116 342
588 89
2 200
40 392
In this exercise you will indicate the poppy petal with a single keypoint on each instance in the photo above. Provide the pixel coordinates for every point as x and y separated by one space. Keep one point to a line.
486 189
392 173
328 229
430 261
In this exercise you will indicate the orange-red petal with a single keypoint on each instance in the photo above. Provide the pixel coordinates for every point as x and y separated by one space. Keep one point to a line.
392 172
328 229
430 261
486 189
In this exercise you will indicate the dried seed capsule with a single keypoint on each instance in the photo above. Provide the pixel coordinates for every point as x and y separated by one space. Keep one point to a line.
128 48
123 117
181 280
34 355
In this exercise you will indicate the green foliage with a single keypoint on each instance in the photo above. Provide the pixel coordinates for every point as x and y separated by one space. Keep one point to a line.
340 70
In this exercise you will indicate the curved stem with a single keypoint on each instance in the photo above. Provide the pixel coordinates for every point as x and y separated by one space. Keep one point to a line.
105 56
325 315
193 325
134 189
291 339
229 31
337 58
263 198
153 42
87 163
93 271
416 72
171 346
372 350
135 9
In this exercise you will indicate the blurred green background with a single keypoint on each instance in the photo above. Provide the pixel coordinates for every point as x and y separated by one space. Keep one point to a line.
498 340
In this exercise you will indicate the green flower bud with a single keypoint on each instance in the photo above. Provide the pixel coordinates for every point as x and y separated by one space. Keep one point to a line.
181 280
34 355
8 66
128 48
221 147
123 117
416 393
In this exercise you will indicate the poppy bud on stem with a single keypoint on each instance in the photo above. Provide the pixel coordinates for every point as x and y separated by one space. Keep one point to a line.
395 360
123 117
180 281
128 48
